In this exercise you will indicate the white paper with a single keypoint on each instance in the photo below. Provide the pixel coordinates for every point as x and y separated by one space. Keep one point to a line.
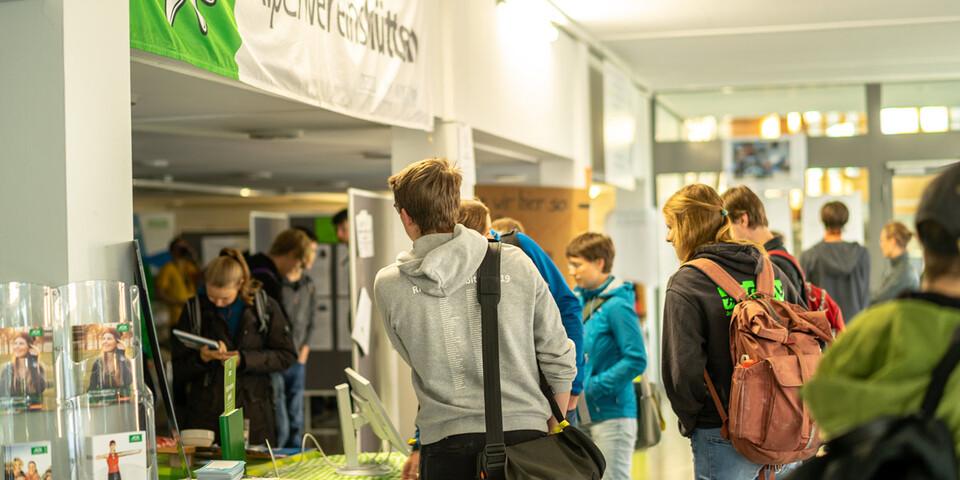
321 338
361 324
344 343
130 450
364 223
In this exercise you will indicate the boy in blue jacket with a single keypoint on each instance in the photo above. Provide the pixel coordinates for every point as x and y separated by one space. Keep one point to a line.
614 353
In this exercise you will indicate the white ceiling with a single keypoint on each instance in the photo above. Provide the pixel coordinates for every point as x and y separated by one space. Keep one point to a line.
195 127
688 44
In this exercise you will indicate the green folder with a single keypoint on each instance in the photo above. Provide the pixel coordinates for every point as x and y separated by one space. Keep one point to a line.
231 436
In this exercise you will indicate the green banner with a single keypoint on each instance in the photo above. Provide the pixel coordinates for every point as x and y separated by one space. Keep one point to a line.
230 384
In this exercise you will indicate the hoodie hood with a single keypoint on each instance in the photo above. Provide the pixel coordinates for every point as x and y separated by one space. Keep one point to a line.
745 259
441 263
613 287
839 258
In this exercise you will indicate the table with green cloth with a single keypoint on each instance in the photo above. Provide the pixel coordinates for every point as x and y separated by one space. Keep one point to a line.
306 466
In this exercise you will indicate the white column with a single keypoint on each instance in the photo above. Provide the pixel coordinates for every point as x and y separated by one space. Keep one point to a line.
451 140
65 161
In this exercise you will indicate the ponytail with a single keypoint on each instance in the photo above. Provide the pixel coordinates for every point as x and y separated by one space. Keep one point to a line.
230 270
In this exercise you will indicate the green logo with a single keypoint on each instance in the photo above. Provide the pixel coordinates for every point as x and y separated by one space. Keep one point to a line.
750 287
138 438
123 327
38 450
36 332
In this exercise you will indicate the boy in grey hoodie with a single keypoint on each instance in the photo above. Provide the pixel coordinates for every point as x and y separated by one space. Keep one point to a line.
431 314
841 268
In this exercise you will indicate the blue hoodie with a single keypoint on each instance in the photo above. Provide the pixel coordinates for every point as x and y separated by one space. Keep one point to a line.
567 302
613 350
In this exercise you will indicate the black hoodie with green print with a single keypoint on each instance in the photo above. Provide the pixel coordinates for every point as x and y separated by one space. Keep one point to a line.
696 331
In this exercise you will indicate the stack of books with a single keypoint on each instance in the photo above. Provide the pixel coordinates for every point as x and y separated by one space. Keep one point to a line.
220 470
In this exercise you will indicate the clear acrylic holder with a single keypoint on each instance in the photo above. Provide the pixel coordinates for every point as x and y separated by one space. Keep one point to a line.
103 383
29 421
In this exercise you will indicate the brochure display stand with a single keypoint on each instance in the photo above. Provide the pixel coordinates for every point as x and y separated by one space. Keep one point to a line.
110 412
30 440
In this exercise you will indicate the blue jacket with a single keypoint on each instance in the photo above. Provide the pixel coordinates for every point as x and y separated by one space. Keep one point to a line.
614 350
567 302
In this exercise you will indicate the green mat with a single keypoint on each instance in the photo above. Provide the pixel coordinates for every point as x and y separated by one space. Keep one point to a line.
311 466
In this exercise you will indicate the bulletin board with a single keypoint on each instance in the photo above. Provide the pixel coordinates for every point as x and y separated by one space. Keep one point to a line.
551 216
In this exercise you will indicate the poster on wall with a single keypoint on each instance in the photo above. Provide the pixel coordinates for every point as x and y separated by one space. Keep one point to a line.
766 164
27 374
366 59
621 103
27 461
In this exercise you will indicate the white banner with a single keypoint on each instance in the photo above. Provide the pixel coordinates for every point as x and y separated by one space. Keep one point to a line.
363 58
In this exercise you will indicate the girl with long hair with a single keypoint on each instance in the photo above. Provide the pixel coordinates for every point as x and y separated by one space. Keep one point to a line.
111 369
696 325
24 376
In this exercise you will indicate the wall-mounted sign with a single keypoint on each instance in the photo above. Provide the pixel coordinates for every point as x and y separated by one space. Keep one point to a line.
363 58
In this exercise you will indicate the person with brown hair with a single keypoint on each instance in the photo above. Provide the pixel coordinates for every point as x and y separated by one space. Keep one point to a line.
290 251
24 376
112 368
696 324
428 302
839 267
750 223
505 225
613 348
901 276
231 309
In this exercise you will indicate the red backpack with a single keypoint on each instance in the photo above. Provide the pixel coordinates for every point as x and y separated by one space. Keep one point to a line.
817 299
775 347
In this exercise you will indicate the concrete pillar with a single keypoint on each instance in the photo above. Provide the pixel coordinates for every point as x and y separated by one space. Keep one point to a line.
65 162
451 140
880 185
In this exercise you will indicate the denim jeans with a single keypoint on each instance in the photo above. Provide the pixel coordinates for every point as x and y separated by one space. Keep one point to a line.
455 457
288 389
616 438
714 458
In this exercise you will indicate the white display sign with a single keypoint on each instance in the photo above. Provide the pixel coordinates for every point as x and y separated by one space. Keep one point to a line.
621 102
361 324
364 225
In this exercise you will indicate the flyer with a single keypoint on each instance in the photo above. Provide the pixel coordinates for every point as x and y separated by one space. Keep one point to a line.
108 362
31 461
27 380
120 456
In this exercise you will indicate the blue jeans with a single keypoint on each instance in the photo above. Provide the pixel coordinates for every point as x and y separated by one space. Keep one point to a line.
714 458
616 438
288 387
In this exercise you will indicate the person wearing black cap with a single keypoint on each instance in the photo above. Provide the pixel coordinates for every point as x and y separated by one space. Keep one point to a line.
882 364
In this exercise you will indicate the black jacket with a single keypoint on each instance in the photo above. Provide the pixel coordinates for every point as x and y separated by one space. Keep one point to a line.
843 270
696 332
263 269
794 275
260 355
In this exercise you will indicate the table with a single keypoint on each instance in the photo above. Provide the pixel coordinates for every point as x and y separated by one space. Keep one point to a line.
306 466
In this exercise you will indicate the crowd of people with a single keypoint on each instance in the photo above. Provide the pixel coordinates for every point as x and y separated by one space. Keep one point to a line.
585 345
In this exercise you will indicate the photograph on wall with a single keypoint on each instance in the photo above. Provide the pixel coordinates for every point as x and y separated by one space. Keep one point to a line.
120 456
27 461
106 353
27 380
766 163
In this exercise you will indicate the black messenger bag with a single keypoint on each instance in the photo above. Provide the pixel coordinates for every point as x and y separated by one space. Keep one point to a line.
567 454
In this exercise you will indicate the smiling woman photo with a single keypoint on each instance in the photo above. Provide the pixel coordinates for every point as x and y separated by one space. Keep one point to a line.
111 369
24 376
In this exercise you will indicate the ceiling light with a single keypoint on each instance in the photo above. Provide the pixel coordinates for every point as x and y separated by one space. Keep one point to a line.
770 126
245 192
845 129
794 122
813 118
934 119
899 120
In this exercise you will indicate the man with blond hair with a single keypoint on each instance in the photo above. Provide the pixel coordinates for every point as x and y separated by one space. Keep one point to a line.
428 302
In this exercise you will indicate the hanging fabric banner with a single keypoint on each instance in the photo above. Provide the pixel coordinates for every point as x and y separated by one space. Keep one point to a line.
363 58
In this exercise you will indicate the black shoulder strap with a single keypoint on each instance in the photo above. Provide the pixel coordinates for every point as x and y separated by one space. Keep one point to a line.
941 374
195 315
510 238
259 302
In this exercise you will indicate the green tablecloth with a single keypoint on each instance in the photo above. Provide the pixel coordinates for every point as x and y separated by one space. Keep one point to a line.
308 466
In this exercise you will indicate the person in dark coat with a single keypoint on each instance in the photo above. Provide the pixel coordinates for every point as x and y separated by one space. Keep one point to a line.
227 303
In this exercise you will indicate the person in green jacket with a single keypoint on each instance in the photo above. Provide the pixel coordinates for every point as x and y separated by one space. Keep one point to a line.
882 364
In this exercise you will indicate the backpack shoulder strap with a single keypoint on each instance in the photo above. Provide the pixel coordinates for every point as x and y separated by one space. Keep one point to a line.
193 306
719 276
259 302
941 374
494 457
765 279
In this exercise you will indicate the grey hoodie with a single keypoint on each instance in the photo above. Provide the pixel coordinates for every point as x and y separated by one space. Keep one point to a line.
429 306
843 270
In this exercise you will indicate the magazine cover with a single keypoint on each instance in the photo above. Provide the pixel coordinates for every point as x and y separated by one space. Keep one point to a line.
27 461
120 456
27 381
108 363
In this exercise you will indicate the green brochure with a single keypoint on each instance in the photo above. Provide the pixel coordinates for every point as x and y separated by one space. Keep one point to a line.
231 422
230 384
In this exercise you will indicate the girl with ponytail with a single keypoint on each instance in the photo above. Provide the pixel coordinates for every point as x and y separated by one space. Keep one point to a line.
228 309
696 324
